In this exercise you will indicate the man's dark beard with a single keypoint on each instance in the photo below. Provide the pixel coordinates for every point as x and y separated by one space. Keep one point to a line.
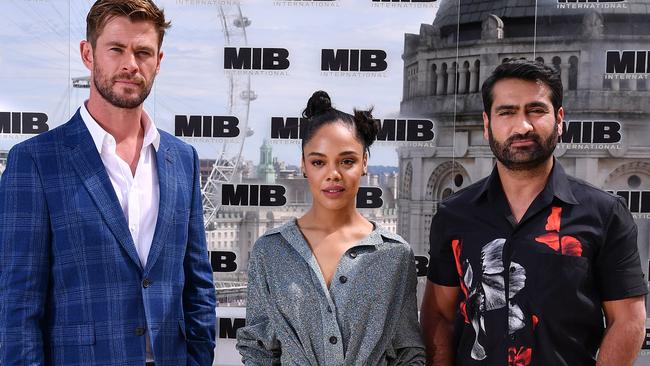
104 89
535 156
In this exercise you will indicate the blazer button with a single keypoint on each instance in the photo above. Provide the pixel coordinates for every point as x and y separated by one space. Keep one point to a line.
343 279
333 340
146 283
353 255
139 331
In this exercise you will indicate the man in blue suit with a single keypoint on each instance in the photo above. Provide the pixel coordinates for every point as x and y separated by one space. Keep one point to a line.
103 259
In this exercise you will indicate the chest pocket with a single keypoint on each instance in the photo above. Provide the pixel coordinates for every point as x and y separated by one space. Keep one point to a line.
560 283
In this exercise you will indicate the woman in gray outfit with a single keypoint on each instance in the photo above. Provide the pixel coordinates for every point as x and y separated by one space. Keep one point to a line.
332 288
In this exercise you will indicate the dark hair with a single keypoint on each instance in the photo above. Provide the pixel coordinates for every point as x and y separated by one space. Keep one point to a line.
319 112
136 10
526 70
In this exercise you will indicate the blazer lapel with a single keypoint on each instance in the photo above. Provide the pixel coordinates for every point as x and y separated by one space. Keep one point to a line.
86 161
165 160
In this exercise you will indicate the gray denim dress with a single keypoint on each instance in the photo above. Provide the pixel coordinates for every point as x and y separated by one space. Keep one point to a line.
368 316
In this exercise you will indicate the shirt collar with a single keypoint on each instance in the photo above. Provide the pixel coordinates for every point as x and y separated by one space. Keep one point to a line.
291 232
151 135
100 136
558 185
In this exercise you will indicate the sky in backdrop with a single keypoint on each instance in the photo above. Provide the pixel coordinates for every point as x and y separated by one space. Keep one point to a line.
39 56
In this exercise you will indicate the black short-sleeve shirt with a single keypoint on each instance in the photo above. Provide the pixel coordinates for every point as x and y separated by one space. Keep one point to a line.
531 292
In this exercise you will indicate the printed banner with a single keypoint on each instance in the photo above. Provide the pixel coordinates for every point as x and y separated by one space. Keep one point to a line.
236 75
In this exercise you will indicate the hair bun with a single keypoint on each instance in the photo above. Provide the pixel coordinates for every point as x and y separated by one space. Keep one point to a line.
318 103
367 125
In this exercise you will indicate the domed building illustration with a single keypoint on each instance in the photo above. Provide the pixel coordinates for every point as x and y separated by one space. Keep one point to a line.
607 116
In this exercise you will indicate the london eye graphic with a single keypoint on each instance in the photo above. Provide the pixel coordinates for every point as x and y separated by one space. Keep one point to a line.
224 169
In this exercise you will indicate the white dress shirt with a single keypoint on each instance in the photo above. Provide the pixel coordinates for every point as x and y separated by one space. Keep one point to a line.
139 193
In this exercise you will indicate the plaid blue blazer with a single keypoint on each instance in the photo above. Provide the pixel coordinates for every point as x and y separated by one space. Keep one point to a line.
72 289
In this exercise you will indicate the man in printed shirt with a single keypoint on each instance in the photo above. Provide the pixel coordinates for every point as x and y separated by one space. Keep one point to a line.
525 262
102 248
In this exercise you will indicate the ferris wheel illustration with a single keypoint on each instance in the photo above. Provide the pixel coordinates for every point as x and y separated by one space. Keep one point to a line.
225 167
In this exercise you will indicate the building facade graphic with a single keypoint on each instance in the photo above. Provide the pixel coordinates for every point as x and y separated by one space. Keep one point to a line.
374 56
446 63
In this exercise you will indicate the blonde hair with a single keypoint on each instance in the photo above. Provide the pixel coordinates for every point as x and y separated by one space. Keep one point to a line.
136 10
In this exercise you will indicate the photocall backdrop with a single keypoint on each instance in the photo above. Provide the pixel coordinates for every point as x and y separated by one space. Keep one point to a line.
236 75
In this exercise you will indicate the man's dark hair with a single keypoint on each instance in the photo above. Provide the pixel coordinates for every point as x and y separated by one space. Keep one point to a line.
526 70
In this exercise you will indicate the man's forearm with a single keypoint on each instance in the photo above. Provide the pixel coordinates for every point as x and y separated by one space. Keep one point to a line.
437 319
438 336
621 344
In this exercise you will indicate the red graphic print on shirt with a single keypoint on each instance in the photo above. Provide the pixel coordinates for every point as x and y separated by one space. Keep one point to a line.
485 290
519 357
456 248
567 245
553 221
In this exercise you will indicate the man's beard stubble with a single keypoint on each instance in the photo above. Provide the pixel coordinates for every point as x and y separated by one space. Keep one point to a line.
536 155
104 87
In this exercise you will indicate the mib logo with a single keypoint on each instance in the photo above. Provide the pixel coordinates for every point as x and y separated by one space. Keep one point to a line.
369 197
206 126
352 62
228 327
23 123
596 135
273 195
637 201
288 128
627 64
413 131
223 261
418 132
253 195
591 4
253 60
